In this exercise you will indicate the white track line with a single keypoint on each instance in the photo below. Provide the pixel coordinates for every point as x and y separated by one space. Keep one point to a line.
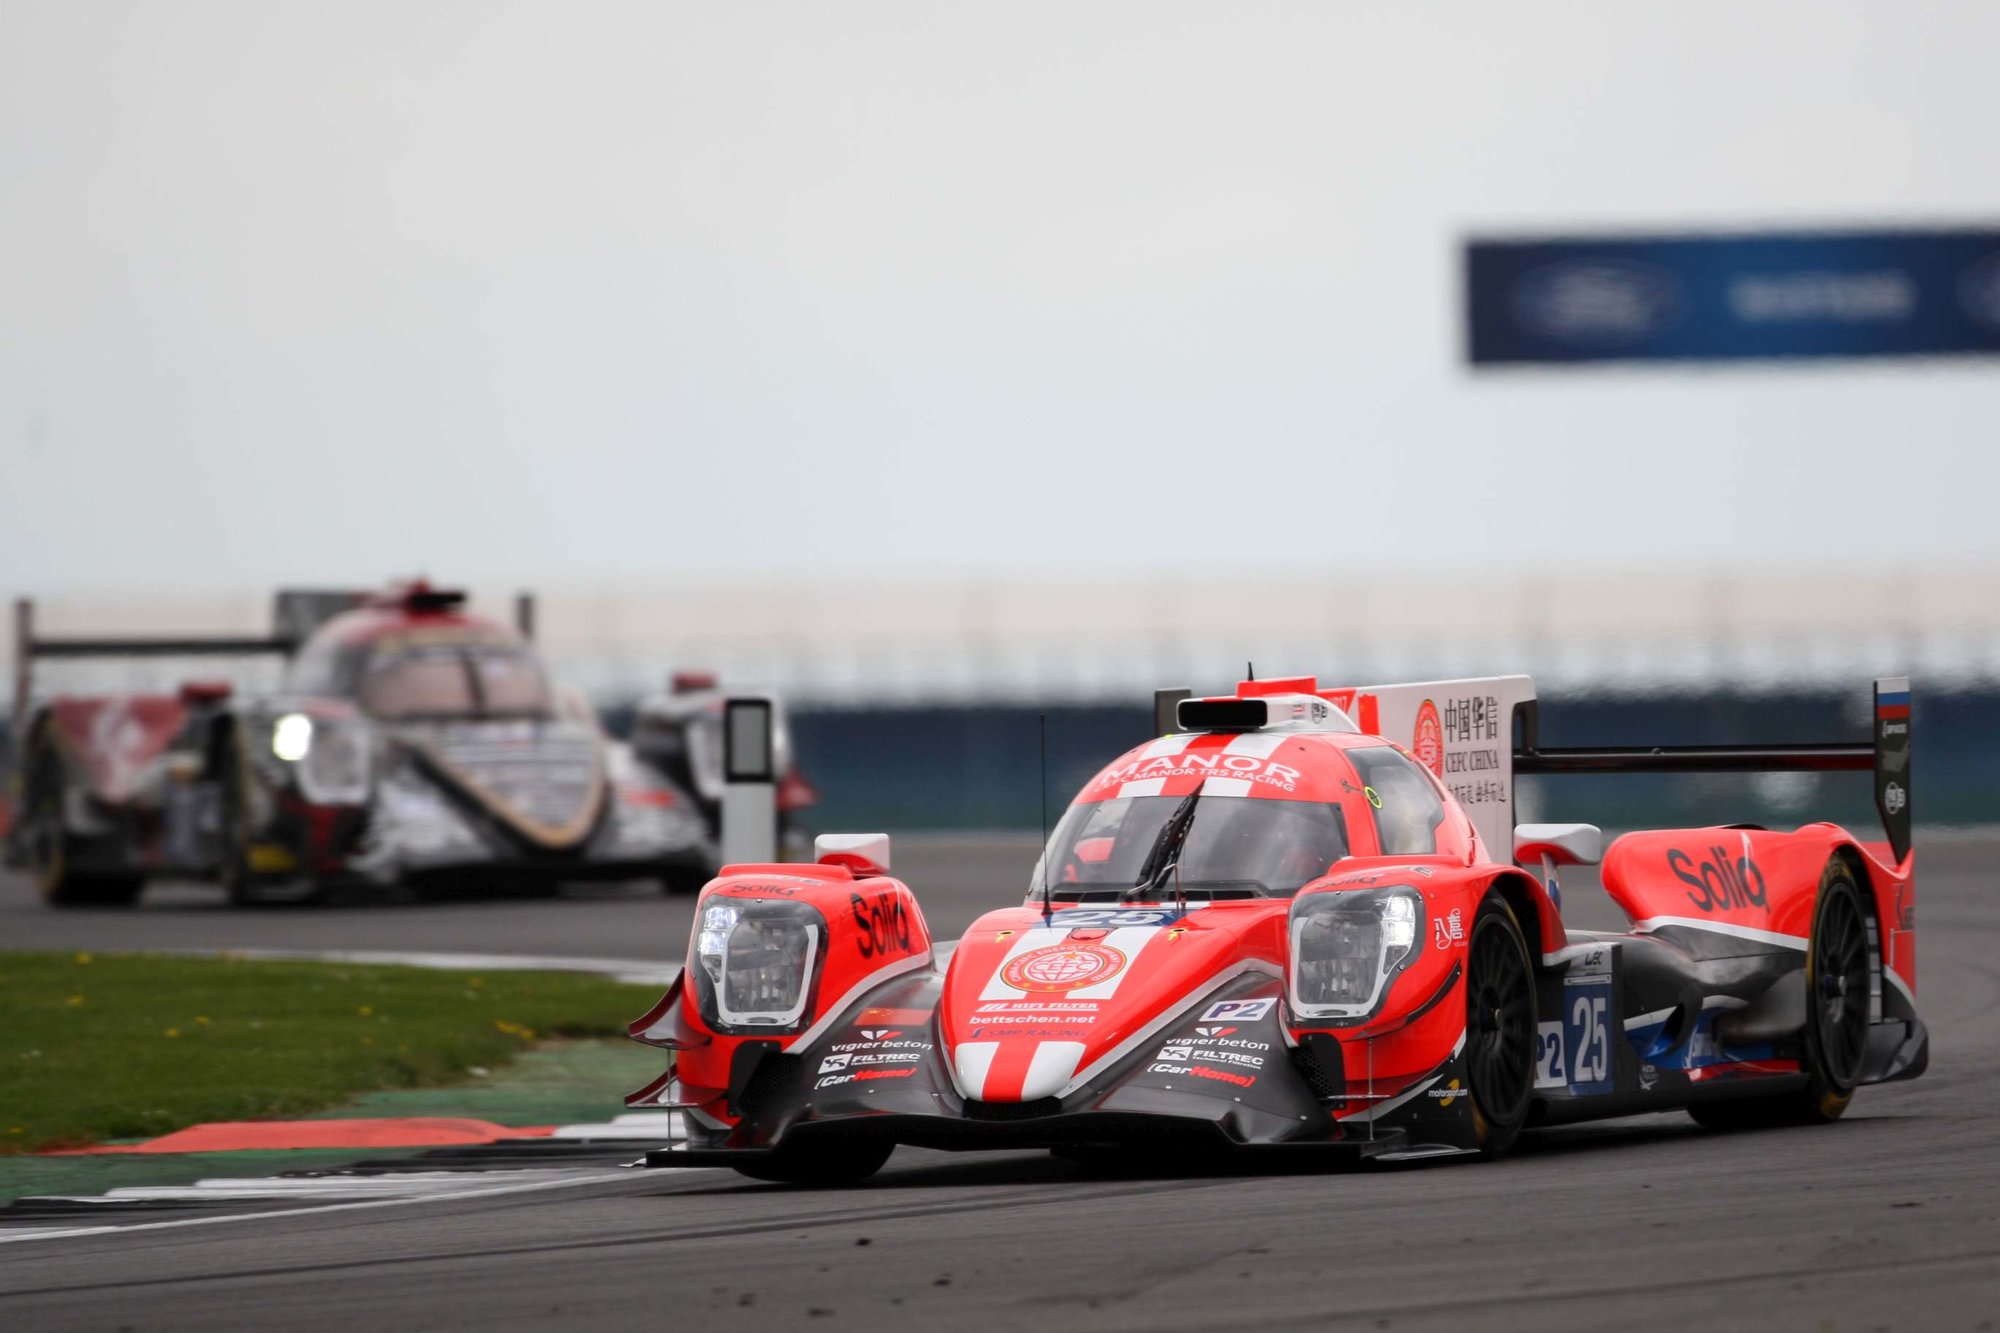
490 1191
642 972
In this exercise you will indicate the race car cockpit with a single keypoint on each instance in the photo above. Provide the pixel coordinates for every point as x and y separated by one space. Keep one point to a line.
471 679
446 673
1195 846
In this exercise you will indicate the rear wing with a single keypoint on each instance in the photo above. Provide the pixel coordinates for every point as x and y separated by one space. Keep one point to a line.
1886 754
28 646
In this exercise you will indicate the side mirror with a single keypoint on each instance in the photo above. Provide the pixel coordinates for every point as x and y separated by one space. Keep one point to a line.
1560 844
862 853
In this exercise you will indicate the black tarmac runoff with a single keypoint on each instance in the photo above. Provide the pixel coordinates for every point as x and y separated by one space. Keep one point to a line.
1888 1219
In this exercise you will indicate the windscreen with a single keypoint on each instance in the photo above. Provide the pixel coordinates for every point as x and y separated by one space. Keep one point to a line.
455 680
1222 847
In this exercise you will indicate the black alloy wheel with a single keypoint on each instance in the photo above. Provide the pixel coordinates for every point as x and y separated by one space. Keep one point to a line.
1499 1026
1839 964
1837 982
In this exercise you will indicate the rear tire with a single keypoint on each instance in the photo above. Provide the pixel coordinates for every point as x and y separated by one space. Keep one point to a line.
49 849
826 1167
1836 1032
95 891
1499 1026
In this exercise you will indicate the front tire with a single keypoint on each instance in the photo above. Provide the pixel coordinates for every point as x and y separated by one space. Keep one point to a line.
1838 968
827 1166
1499 1026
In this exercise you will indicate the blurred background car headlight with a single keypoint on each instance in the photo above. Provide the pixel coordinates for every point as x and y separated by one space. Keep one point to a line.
330 757
1348 946
291 737
756 962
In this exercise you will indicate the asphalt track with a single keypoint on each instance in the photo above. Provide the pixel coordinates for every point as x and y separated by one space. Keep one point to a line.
1889 1219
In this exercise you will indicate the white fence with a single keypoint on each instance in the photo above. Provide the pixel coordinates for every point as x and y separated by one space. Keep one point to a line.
1086 636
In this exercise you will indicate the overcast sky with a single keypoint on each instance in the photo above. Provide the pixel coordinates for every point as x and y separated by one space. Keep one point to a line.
566 292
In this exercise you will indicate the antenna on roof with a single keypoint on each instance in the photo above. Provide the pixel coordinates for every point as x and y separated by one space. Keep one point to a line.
1048 885
1249 670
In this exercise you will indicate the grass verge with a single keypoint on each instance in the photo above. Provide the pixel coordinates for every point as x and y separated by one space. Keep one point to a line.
114 1046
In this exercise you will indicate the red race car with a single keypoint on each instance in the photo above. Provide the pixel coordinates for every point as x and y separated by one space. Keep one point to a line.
1287 925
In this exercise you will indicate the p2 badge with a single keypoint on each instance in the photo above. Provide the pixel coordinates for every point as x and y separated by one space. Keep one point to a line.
1237 1011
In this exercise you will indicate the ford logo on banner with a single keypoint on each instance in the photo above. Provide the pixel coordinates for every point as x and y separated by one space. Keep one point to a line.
1601 302
1707 298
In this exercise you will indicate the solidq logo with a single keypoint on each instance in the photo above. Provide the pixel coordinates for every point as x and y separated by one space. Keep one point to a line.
1597 301
880 926
1721 884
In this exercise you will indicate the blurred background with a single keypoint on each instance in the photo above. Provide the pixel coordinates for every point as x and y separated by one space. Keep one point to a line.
942 366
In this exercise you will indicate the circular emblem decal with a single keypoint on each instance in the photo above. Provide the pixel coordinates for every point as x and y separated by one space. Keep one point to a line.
1428 743
1063 967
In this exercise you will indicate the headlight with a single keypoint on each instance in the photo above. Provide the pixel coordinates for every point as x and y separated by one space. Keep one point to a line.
291 737
330 757
755 961
1348 946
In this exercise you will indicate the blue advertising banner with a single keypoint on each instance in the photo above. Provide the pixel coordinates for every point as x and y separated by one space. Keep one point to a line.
1719 298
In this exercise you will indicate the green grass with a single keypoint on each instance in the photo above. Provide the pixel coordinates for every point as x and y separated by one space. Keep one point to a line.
116 1046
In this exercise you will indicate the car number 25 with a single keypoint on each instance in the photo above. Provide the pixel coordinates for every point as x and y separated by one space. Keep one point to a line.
1593 1043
